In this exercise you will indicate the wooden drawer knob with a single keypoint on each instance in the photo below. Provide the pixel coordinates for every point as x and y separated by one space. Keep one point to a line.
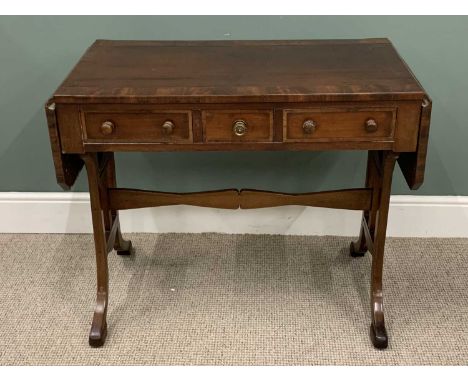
309 126
239 127
107 128
168 127
371 125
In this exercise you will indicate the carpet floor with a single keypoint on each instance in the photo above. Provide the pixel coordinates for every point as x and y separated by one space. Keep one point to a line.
213 299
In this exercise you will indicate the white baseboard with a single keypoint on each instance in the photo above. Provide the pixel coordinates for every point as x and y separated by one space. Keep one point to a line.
53 212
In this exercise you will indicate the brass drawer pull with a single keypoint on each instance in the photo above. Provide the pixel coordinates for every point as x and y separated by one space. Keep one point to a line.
309 126
107 128
168 127
371 125
239 127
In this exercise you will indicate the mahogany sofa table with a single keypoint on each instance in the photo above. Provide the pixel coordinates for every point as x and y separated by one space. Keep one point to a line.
237 96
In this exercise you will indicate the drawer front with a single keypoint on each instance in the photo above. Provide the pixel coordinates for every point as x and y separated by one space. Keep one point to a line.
135 126
349 124
238 126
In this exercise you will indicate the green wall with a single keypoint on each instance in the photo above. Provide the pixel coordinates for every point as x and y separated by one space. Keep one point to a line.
37 52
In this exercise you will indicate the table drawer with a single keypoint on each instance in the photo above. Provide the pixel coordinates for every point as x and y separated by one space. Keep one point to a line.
238 125
353 124
136 126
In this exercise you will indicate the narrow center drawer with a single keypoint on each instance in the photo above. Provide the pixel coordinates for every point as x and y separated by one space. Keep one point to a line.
352 124
136 126
238 125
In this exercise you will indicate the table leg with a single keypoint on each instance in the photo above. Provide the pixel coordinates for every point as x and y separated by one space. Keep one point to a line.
359 248
380 166
123 247
378 332
98 331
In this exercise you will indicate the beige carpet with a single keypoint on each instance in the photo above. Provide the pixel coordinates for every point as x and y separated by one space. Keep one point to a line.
232 300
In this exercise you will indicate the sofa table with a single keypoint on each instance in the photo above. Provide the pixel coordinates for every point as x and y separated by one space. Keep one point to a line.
145 96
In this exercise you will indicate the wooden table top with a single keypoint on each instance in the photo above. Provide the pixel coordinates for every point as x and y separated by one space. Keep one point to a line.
239 71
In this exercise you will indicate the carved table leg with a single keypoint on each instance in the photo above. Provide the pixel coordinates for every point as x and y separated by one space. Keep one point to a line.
123 247
372 236
359 248
378 332
373 180
98 331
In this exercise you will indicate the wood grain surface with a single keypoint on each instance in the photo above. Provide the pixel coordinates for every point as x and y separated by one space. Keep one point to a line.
227 71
